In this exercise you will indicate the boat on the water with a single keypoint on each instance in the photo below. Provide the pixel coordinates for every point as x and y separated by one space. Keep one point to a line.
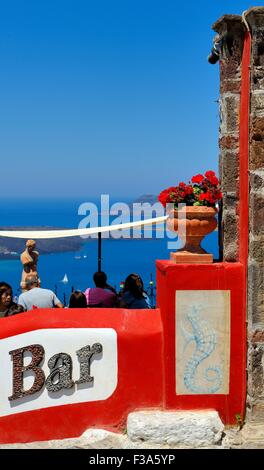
65 279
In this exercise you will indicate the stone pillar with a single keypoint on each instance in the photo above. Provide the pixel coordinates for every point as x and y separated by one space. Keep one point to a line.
255 401
232 30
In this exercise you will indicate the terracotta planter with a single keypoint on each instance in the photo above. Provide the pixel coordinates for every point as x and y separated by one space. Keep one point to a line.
197 222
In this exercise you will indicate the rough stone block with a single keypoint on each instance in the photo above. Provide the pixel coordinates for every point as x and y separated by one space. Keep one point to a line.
189 428
255 17
230 229
229 142
256 294
256 155
230 171
232 438
257 129
230 200
230 69
230 104
230 226
252 434
255 367
256 179
230 252
256 336
230 86
258 77
256 251
257 103
256 212
258 49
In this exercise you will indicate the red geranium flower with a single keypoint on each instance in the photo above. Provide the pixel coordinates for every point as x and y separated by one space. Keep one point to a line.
213 180
197 179
203 190
209 174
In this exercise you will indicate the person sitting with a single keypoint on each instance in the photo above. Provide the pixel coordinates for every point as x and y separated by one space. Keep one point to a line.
133 294
36 297
102 295
7 306
77 300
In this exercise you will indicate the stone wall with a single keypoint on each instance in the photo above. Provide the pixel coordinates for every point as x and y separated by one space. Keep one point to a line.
231 28
255 402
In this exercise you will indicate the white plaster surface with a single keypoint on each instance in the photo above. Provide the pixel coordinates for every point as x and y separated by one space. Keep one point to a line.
187 428
54 341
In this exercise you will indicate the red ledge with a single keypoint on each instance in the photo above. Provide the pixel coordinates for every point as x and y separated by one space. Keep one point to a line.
167 265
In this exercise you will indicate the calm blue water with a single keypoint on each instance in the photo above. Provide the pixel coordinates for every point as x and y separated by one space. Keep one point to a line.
119 257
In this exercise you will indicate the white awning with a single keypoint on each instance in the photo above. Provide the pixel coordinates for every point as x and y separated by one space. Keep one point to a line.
38 234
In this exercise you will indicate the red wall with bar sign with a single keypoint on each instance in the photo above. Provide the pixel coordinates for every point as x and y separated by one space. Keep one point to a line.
63 371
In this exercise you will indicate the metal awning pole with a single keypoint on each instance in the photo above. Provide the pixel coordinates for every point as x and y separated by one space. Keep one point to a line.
99 251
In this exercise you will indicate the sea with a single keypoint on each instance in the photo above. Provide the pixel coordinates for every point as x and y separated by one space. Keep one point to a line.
120 257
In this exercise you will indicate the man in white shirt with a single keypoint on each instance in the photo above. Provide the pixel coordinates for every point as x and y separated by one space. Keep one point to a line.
36 297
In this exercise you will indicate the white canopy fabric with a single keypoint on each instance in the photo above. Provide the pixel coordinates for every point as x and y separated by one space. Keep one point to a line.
42 234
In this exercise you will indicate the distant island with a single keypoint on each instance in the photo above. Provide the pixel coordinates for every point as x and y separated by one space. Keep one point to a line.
11 248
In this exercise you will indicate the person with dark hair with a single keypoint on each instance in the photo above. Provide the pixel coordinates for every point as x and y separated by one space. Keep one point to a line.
102 295
7 306
77 300
133 294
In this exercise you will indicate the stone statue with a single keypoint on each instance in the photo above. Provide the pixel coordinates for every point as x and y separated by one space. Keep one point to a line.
29 260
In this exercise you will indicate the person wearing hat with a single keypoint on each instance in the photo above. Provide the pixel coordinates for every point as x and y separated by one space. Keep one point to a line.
29 260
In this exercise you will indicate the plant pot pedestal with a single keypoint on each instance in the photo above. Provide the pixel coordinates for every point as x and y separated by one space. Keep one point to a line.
192 258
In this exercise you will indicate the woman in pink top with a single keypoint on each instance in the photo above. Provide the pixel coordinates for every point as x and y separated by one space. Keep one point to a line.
102 295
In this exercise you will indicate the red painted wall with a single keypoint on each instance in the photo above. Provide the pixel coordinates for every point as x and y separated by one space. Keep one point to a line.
140 373
217 276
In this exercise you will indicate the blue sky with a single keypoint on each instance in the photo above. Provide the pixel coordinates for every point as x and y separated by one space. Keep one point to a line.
107 96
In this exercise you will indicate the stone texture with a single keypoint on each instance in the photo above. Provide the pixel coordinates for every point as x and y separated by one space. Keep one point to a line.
256 250
229 105
230 200
256 155
229 142
256 160
194 429
252 434
90 439
255 18
255 366
256 179
231 86
258 78
255 294
255 401
232 437
257 336
230 234
256 212
230 171
257 102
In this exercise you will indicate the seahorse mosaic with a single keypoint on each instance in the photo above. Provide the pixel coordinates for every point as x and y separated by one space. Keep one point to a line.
205 340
